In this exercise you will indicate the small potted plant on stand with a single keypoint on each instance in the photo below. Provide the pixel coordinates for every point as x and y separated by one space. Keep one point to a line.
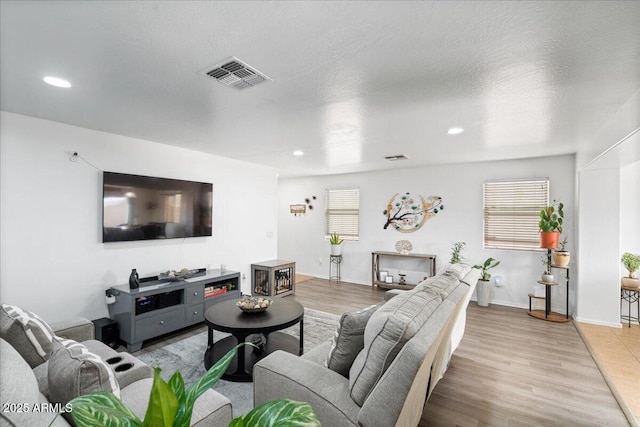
631 263
483 287
550 224
547 276
561 257
336 244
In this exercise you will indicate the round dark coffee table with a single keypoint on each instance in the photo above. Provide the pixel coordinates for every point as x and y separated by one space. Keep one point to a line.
227 317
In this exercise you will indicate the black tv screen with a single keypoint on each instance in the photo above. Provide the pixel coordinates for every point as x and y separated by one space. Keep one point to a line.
139 207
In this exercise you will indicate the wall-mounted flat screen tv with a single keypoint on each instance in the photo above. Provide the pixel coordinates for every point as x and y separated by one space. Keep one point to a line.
139 207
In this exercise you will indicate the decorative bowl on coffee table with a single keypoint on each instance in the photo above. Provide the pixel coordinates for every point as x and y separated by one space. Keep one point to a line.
250 304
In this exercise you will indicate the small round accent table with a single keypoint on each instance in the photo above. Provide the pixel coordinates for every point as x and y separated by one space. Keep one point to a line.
630 295
227 317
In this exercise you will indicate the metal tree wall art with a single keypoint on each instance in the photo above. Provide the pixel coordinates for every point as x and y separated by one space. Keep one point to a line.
407 213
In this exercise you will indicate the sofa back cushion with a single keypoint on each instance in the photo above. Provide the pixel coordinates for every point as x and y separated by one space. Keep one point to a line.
27 333
19 392
388 329
348 340
74 371
442 285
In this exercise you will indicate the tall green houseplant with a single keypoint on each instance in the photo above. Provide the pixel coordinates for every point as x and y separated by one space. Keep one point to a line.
550 225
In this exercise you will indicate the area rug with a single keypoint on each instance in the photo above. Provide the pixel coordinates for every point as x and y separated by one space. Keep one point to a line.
187 355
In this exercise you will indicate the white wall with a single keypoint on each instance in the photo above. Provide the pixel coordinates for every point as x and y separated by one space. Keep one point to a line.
599 247
630 209
301 238
52 260
629 218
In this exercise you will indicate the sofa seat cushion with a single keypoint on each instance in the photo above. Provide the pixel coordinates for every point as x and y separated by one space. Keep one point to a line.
348 340
74 371
388 329
27 333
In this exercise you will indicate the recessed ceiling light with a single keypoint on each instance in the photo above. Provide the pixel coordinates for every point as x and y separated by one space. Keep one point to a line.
298 153
57 82
455 131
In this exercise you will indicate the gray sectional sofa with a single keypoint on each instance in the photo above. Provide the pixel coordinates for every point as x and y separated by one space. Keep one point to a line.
396 358
43 366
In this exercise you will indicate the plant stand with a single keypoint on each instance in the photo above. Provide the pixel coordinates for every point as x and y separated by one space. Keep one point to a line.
335 260
630 295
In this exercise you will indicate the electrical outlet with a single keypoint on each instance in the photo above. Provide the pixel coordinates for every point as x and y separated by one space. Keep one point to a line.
244 277
320 262
498 281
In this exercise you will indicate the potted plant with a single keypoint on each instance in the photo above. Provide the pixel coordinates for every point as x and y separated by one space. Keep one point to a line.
550 225
483 287
171 405
336 243
456 252
561 257
631 263
547 276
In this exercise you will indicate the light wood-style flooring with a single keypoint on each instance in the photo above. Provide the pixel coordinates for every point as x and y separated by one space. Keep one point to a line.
510 369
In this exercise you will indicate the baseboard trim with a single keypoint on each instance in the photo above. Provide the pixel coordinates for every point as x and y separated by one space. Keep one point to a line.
599 323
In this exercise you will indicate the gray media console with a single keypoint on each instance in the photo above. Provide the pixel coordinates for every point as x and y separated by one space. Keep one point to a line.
159 307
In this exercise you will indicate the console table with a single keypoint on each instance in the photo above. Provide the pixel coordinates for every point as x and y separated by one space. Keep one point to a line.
159 306
375 267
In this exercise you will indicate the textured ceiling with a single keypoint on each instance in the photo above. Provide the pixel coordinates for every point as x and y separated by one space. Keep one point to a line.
524 79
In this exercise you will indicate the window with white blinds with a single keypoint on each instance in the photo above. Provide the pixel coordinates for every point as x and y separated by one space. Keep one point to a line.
512 211
343 213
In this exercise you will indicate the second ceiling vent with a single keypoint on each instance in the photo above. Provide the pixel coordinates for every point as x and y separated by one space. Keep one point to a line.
235 73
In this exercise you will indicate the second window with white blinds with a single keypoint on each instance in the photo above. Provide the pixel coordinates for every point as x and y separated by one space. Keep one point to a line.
512 211
343 213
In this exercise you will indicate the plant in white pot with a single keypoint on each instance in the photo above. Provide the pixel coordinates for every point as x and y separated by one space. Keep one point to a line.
547 276
561 257
632 263
336 243
483 287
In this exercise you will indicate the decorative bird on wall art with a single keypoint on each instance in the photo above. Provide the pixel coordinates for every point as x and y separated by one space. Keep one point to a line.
407 213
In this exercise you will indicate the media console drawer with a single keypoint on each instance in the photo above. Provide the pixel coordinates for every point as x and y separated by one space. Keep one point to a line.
159 324
194 314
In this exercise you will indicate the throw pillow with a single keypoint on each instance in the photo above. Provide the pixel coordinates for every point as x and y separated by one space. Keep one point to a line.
348 340
388 329
458 270
74 371
27 333
443 285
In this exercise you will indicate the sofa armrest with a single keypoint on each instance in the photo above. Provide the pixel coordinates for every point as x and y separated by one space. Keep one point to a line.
282 375
78 329
392 293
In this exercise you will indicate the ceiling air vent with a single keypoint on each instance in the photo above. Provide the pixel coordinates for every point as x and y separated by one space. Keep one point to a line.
396 157
235 73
